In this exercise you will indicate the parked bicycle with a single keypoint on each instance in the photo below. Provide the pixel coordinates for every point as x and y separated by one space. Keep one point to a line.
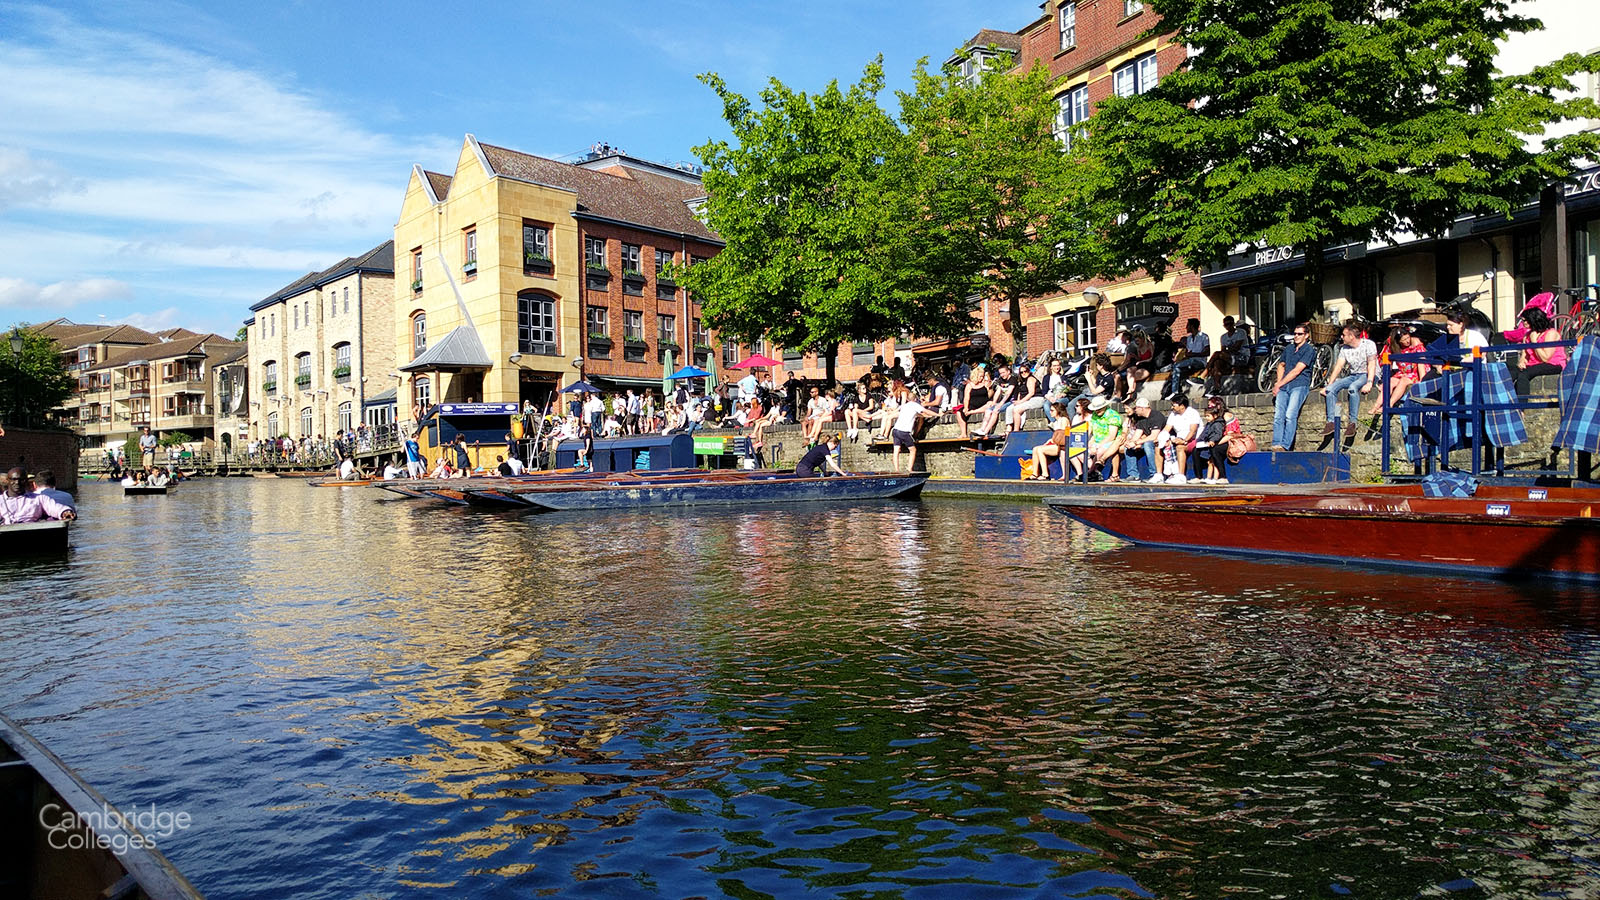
1267 368
1583 318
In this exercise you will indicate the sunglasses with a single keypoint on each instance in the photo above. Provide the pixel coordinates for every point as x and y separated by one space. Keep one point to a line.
1300 334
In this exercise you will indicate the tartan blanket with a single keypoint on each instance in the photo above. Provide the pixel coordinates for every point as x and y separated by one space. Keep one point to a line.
1580 399
1501 427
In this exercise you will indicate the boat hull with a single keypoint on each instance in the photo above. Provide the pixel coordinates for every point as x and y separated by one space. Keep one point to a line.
34 539
1479 537
36 786
741 491
144 492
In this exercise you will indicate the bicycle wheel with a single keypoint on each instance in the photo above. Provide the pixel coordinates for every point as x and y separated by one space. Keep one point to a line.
1566 325
1267 373
1321 365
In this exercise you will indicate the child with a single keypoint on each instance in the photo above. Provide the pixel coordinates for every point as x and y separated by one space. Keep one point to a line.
1212 447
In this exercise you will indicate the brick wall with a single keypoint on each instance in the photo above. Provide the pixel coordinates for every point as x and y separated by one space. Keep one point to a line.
34 450
651 299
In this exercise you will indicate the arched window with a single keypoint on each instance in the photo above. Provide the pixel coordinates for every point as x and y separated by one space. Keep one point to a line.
269 377
302 370
422 392
344 416
305 422
536 323
272 426
341 363
419 333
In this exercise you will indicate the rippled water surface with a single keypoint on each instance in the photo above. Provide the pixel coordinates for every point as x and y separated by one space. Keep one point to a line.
361 697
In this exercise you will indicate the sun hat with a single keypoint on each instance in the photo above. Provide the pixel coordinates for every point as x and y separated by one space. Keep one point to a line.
1098 404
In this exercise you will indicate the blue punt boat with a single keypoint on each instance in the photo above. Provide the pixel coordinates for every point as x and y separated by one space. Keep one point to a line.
758 488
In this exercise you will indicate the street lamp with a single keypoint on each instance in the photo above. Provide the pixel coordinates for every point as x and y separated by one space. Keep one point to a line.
16 341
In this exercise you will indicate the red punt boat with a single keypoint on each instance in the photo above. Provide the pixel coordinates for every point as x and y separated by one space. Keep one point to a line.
1504 533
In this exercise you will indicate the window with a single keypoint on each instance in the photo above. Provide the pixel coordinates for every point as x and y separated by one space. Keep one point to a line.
469 251
973 67
1085 331
193 370
341 363
333 303
422 392
1131 7
269 377
536 324
663 259
1267 306
1136 77
1072 110
599 324
347 300
297 316
730 353
630 259
594 253
702 338
302 370
272 425
169 406
632 325
1063 331
419 334
535 244
1069 25
668 326
308 313
305 421
344 416
416 270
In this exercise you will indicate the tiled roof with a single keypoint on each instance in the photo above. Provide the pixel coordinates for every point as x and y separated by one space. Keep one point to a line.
379 259
212 344
173 334
633 195
1005 40
439 183
63 331
70 334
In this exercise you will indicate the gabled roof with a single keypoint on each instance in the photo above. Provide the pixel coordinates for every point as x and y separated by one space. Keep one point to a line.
63 331
458 350
211 345
379 260
628 196
98 334
1004 40
439 184
173 334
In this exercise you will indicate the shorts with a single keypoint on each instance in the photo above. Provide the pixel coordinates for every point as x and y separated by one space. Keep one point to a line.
904 439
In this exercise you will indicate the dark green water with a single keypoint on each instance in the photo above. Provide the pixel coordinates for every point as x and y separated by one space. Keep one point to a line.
356 697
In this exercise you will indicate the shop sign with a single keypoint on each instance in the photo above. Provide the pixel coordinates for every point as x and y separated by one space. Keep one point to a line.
477 409
1587 183
1273 255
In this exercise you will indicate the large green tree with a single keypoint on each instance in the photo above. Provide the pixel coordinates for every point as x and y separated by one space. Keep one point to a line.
32 382
798 197
993 205
1303 122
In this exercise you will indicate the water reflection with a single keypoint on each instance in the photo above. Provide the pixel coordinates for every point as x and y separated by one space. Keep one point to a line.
389 698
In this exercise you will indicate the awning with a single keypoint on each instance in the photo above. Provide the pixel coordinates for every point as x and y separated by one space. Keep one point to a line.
387 398
626 382
459 351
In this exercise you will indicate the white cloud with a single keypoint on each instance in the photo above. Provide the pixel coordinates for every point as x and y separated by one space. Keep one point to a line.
160 320
25 180
49 298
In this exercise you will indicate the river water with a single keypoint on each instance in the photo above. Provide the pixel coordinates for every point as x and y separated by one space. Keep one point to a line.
360 697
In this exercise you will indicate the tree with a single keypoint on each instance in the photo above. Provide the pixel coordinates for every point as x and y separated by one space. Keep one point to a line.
33 382
1301 122
995 205
243 334
803 198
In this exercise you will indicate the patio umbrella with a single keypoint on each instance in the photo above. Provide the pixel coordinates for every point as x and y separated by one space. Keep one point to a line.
689 372
580 387
756 362
666 366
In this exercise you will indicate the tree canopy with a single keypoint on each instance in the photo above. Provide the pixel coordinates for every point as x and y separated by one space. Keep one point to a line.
1302 122
33 382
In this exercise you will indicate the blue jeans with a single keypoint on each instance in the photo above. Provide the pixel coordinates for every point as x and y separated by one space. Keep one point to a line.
1286 414
1351 384
1140 463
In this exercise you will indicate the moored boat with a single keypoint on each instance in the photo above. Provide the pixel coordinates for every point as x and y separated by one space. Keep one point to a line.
358 482
140 490
771 487
34 538
1534 535
38 792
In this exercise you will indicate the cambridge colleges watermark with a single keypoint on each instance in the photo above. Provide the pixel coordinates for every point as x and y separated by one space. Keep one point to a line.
108 828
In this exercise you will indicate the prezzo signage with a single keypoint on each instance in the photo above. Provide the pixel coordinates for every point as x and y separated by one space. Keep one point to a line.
1164 309
1588 182
1273 254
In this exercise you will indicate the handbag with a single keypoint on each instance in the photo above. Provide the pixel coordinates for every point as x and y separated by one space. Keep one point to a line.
1239 444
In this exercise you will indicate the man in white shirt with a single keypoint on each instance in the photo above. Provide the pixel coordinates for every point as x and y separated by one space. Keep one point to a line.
1182 430
904 434
1358 361
391 471
516 466
1119 341
147 447
347 469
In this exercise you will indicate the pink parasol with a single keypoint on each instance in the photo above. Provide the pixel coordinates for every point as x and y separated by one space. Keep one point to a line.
756 362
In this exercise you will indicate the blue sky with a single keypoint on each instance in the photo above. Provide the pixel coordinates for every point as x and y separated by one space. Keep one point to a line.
164 163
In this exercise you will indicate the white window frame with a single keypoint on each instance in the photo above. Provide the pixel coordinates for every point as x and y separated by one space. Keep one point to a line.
419 334
536 324
594 252
1137 76
1067 19
1132 7
306 421
1072 110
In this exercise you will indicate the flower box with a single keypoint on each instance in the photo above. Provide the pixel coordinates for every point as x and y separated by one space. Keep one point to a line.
302 380
416 286
341 371
470 267
270 387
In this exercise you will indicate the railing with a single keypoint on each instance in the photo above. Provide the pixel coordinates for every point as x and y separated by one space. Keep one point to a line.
1436 421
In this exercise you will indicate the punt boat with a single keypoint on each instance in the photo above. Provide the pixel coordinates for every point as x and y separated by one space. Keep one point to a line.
466 490
1500 533
358 482
752 488
33 538
140 490
36 788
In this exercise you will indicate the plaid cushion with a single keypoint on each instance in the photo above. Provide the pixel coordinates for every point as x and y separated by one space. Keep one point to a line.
1580 399
1502 427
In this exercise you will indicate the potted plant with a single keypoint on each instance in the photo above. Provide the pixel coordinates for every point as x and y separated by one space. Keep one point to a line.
302 380
341 371
270 387
596 269
416 286
535 260
470 267
633 274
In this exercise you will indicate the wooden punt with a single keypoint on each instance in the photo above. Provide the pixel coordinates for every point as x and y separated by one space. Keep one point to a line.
34 538
145 490
37 789
1494 535
756 488
359 482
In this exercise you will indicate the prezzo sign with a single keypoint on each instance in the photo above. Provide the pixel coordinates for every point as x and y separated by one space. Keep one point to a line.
1273 254
1587 182
1164 309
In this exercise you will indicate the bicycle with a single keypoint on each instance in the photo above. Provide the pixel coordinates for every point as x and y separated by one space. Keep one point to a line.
1267 371
1583 319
